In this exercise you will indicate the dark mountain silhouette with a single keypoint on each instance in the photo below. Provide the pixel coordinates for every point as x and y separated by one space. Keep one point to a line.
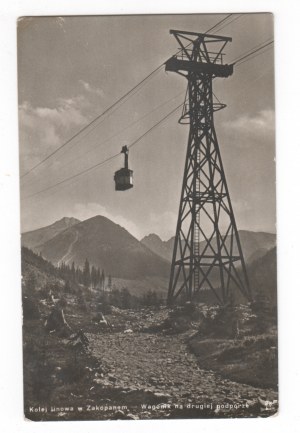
35 238
162 248
107 245
263 276
254 244
111 247
38 269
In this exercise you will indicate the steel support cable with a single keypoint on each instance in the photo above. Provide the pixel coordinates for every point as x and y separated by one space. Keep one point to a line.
155 125
253 51
124 129
244 58
253 56
101 163
247 54
220 22
90 130
254 48
230 22
212 28
107 110
114 135
94 120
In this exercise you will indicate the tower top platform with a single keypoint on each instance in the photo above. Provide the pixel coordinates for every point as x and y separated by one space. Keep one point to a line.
200 52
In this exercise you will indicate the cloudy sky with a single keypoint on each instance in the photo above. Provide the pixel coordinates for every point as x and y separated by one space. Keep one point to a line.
70 69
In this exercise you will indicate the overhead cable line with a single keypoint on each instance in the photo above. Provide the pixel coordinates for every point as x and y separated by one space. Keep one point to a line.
88 130
108 109
118 133
253 56
127 127
154 126
219 23
230 22
212 28
253 51
93 121
257 54
238 61
101 163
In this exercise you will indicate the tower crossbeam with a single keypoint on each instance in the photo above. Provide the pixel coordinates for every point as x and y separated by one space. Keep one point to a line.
207 250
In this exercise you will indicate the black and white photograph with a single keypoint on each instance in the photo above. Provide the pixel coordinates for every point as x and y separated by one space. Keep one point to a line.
148 216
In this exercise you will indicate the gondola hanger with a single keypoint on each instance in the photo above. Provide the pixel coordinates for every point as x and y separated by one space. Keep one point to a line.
124 177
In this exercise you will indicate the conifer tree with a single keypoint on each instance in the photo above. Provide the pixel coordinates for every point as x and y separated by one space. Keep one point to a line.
103 280
93 277
86 274
109 284
31 281
98 279
73 272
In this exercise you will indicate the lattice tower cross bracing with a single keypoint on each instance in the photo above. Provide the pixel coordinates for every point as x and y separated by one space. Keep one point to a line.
207 251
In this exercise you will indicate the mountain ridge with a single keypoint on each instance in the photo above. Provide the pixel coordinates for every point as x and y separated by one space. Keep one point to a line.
108 245
104 244
157 245
33 238
254 244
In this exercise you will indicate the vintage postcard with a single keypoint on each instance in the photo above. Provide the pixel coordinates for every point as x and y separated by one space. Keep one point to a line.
148 216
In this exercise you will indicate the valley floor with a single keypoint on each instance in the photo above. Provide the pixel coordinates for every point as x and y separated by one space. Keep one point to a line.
136 371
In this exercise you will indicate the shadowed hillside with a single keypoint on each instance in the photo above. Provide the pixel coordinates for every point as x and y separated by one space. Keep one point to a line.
107 245
263 276
35 238
254 244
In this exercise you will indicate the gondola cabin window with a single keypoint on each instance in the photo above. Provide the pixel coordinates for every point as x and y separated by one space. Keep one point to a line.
123 179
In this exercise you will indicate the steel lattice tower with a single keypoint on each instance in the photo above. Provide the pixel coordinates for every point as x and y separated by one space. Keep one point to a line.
207 251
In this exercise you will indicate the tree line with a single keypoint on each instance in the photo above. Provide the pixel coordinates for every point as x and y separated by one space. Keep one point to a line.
89 276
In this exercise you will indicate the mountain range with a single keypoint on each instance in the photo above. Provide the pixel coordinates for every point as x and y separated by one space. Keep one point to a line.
36 238
101 241
263 275
160 247
254 244
139 265
111 247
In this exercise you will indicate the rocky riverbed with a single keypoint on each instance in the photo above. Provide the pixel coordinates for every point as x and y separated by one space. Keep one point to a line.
137 368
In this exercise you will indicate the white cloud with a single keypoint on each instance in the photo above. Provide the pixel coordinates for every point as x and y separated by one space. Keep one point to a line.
66 114
89 210
91 89
242 205
265 119
60 21
164 224
260 127
42 129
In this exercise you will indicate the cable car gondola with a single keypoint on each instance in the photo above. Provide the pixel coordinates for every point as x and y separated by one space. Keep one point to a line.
124 177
